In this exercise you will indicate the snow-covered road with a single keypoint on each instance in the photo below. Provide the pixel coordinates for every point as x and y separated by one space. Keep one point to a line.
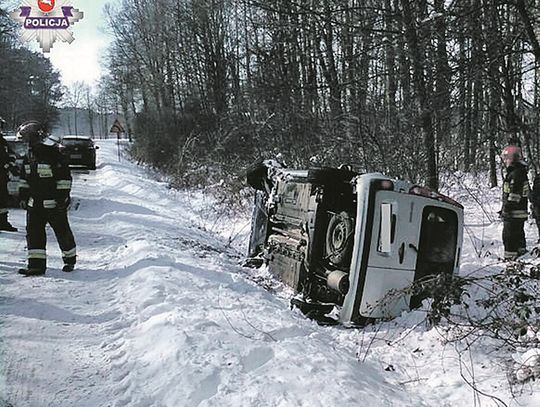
159 313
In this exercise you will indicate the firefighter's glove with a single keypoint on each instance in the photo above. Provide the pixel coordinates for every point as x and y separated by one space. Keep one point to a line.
63 204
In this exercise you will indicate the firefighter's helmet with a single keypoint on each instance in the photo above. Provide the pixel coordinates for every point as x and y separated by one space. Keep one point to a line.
32 132
512 154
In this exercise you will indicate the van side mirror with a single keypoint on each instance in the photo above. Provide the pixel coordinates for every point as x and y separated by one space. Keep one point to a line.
385 231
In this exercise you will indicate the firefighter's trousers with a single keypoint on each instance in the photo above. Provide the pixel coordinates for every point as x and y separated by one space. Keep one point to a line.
513 237
36 236
4 197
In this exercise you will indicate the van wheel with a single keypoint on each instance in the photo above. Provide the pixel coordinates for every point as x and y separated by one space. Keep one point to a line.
257 175
339 238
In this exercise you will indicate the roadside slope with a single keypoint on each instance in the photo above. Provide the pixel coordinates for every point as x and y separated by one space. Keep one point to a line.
159 313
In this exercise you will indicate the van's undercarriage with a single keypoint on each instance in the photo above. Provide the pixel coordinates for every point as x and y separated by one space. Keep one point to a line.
306 231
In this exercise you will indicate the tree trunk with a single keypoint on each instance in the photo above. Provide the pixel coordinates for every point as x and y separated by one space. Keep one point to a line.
425 114
442 77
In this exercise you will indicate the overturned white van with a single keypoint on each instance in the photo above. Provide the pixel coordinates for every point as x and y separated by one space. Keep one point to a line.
357 241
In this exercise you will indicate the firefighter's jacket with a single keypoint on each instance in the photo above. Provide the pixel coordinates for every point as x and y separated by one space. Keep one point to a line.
515 192
45 179
5 160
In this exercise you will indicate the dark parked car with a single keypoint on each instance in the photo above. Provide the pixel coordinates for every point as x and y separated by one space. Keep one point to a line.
355 241
80 150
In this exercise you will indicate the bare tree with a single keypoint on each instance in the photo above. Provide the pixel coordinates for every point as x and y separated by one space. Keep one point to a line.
89 106
372 82
73 99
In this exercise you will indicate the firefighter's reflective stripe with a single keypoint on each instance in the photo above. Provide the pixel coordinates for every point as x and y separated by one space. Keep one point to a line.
49 203
3 210
63 184
23 184
524 191
510 255
70 253
518 214
27 169
514 197
37 254
44 171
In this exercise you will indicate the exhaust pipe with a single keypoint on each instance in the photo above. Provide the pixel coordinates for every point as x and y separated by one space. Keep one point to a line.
339 281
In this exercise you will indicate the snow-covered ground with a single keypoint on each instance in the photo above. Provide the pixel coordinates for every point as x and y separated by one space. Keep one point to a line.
160 313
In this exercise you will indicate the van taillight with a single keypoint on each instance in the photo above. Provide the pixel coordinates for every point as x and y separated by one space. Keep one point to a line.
422 191
384 184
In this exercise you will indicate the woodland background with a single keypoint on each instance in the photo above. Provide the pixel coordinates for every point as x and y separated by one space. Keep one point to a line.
409 88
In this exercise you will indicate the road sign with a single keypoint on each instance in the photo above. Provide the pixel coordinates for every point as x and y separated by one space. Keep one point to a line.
117 127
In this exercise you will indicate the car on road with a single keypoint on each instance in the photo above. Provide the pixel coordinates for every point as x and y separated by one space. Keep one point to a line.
364 243
80 150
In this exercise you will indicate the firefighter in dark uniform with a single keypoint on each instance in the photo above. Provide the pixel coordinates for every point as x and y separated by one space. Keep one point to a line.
514 202
5 165
45 192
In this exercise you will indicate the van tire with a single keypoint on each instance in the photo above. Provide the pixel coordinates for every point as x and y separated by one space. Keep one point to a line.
257 175
339 238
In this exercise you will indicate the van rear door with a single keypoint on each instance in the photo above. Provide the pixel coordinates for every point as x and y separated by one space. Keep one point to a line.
399 238
412 239
439 242
392 253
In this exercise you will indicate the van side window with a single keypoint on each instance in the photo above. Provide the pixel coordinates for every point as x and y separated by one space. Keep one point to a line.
387 229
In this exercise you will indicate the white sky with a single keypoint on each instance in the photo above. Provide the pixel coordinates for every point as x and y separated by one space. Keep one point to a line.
80 60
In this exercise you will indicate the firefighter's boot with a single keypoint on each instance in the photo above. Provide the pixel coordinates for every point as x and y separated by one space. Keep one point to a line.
68 268
32 271
5 225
